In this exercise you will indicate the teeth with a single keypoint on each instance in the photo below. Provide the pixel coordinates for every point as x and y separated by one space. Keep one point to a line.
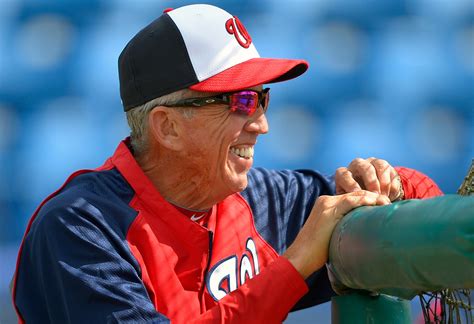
249 152
244 152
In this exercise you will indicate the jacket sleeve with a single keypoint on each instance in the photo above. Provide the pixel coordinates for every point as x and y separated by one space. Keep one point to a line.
417 185
73 268
281 201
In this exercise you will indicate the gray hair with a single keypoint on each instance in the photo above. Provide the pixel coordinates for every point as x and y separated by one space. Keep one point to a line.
137 117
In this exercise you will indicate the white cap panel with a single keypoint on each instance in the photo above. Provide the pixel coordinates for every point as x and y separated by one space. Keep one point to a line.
211 48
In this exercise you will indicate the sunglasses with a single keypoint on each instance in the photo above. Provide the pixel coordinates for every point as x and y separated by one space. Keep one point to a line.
244 102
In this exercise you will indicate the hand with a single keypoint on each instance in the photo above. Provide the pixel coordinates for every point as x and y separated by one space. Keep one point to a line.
309 251
370 174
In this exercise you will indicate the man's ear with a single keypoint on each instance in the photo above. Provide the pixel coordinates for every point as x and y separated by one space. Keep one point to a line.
164 127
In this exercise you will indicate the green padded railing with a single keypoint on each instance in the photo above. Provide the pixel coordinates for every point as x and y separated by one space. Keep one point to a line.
401 250
406 247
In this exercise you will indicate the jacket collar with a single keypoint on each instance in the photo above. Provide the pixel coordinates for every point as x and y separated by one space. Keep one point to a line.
126 164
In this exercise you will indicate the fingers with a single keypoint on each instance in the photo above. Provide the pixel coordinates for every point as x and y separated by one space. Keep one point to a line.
396 189
309 251
345 181
384 175
366 172
370 174
337 206
347 202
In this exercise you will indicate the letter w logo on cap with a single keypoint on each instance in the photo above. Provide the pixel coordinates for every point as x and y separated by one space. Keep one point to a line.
236 28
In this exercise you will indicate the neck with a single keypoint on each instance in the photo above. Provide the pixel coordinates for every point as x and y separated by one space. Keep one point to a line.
188 209
184 186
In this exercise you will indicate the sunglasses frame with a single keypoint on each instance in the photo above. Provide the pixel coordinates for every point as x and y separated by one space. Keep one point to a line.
224 98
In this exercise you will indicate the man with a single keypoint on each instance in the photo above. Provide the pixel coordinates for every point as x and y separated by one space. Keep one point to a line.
176 226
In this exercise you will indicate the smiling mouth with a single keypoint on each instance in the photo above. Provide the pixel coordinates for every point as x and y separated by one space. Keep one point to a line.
245 152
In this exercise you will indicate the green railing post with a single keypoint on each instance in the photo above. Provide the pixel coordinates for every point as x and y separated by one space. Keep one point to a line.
357 308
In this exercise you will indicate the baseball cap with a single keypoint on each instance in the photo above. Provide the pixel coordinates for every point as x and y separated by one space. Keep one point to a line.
200 47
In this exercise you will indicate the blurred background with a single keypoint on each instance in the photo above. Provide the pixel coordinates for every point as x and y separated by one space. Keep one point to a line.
392 79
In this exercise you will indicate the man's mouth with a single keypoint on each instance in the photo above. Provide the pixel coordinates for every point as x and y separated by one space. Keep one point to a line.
243 151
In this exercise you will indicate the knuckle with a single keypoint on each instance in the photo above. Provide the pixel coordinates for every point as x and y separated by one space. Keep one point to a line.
380 162
323 200
341 171
348 197
352 201
356 161
383 166
360 193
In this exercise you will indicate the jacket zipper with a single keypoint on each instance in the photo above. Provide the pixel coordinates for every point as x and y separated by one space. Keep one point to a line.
209 257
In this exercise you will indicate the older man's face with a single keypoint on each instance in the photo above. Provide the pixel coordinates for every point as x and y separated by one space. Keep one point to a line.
219 147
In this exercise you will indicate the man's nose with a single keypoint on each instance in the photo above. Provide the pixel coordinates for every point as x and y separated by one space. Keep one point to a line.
257 123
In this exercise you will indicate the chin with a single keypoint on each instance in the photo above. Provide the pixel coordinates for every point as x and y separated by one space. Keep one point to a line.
238 183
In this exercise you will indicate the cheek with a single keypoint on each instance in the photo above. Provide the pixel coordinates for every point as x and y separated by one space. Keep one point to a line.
210 135
206 147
